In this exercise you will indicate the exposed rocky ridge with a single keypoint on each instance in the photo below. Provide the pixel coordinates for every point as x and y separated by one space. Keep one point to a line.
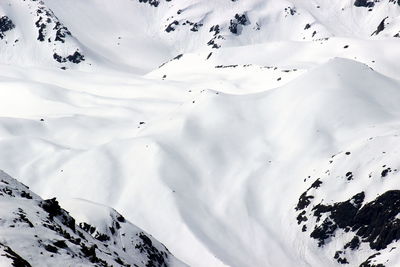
366 227
40 29
34 232
214 144
5 25
185 26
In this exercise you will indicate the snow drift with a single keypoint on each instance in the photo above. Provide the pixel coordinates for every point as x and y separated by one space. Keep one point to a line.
239 133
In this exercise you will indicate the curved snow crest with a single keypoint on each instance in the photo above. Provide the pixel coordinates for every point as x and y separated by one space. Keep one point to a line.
232 152
217 176
37 232
207 169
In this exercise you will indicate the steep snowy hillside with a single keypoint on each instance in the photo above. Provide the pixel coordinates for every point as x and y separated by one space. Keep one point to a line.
238 133
37 232
31 34
140 34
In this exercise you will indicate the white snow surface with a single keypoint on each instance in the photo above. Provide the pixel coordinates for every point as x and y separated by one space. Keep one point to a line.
37 232
208 149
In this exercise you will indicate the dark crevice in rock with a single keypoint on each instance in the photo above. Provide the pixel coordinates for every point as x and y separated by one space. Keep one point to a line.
155 257
5 25
18 261
237 23
364 3
153 3
375 223
380 28
76 58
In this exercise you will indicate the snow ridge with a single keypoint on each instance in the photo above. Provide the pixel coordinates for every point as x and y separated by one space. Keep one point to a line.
238 133
37 232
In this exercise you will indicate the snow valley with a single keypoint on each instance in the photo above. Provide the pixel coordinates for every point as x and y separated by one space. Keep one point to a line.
235 133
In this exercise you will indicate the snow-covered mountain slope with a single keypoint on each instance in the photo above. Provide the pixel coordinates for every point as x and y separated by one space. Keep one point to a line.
31 34
37 232
140 34
212 155
229 130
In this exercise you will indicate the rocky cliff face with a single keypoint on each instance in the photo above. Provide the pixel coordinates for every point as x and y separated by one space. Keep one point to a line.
38 232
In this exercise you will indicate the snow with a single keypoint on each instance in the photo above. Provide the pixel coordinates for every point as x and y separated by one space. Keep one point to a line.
39 232
207 152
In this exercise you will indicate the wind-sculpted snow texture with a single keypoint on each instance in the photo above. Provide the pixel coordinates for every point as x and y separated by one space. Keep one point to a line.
237 133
